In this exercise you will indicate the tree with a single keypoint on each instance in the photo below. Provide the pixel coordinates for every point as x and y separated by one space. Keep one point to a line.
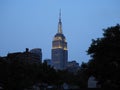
105 57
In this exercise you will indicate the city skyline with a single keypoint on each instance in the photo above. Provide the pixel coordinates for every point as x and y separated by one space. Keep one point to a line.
32 24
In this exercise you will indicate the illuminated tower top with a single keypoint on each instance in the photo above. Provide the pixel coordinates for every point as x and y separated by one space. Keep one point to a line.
59 40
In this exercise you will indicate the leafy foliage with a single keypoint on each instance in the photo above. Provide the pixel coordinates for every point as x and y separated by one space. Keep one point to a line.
105 57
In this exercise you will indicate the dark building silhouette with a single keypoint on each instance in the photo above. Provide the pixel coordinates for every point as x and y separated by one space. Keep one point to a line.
48 61
59 48
73 66
26 57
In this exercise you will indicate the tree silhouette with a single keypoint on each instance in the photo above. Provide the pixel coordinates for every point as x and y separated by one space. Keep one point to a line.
105 57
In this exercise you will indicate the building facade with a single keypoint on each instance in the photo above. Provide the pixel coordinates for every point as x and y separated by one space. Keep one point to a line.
59 48
37 53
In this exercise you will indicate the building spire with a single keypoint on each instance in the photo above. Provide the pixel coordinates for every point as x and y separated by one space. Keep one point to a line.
60 23
60 15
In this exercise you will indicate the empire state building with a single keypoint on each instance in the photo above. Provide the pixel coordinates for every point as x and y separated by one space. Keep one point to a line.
59 48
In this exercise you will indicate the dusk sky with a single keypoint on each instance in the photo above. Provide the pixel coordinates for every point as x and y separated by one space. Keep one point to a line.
33 24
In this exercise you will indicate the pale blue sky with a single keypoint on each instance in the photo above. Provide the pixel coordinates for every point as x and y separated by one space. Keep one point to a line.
33 24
